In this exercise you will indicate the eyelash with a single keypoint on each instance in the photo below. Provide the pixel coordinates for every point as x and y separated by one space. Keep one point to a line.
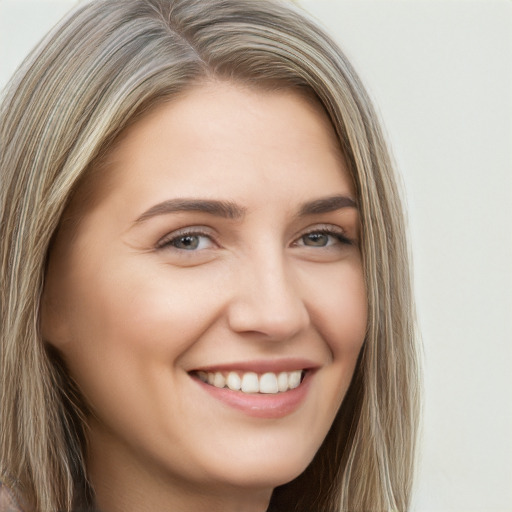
169 240
337 233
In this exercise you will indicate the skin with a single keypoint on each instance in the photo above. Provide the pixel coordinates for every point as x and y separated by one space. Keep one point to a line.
133 308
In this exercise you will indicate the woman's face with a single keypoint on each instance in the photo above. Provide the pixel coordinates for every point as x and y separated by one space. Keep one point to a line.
221 245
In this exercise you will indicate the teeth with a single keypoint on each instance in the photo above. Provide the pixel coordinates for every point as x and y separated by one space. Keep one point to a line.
294 379
234 381
268 383
250 382
219 381
282 381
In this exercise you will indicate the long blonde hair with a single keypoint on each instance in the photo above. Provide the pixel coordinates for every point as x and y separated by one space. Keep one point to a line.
98 71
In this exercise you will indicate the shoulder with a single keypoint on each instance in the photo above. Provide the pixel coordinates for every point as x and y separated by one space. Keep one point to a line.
8 500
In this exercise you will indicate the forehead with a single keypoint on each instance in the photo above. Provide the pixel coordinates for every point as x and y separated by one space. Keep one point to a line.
210 105
217 126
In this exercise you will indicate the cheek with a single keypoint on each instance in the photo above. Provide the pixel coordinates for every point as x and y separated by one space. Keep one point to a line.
126 329
339 310
133 314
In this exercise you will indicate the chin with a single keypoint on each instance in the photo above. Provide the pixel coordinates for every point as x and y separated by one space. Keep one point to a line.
264 472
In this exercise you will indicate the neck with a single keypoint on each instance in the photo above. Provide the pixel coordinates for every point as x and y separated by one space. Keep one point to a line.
176 499
109 500
124 484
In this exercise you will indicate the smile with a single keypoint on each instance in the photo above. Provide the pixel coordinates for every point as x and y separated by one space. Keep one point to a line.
252 382
261 388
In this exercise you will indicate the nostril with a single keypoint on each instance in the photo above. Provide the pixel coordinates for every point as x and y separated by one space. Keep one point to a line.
273 320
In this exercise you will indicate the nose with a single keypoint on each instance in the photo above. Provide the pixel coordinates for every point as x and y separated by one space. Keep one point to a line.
267 299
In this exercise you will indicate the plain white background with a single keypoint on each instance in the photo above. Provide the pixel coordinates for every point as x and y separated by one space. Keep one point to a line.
440 72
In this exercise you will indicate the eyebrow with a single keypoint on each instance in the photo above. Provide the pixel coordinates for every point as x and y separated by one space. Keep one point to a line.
326 205
225 209
230 210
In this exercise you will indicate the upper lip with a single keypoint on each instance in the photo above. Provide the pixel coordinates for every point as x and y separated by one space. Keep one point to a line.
261 366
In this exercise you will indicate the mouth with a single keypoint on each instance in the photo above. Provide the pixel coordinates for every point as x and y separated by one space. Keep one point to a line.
263 389
250 382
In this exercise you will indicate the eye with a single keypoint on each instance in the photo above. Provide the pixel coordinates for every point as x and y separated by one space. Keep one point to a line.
324 237
316 239
186 241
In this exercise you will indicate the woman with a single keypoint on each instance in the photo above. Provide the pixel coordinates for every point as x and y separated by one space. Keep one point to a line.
205 291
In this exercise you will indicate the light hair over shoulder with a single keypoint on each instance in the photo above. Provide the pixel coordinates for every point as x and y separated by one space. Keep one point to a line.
105 65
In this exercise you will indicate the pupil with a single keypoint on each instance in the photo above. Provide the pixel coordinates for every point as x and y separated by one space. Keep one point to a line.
317 239
187 242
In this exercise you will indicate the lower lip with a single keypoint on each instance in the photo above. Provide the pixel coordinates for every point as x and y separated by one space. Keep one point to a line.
261 405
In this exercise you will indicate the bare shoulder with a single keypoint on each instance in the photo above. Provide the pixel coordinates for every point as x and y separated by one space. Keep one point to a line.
8 500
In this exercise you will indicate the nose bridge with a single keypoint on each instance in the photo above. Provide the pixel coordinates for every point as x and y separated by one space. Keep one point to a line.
267 298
